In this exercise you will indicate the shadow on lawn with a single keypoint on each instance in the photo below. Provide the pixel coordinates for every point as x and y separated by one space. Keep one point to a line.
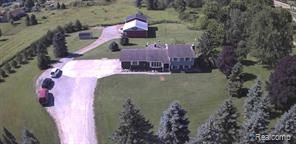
248 62
248 76
74 55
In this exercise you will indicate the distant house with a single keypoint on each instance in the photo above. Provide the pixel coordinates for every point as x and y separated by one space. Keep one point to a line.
85 35
136 26
158 57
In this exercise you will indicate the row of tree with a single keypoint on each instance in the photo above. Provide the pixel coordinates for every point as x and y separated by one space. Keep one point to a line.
163 4
27 137
39 49
222 127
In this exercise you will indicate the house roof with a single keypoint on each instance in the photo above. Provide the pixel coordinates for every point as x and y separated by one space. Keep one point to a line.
17 12
136 16
135 24
145 54
181 51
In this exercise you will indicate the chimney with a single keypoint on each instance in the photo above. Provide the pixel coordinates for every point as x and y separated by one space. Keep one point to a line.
147 44
155 45
166 46
193 46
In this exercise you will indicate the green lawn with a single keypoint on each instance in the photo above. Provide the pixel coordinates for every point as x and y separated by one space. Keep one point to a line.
20 109
199 94
19 36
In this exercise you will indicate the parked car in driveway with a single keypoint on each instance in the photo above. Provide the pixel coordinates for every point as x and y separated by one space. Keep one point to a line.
56 73
47 83
43 96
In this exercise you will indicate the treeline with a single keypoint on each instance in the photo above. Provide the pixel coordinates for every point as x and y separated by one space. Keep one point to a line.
39 48
163 4
27 137
222 127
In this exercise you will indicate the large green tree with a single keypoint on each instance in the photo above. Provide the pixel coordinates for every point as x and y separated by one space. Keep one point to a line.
133 127
59 44
173 127
253 99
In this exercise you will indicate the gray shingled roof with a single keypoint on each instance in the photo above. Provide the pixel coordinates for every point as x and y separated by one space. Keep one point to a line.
144 55
180 51
137 16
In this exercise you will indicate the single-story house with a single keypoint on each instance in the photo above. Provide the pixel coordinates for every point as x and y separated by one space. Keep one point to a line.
135 29
137 16
85 35
157 57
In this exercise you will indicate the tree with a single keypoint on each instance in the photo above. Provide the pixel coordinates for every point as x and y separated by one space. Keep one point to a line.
271 35
19 59
69 28
226 60
28 21
150 4
58 5
78 25
2 73
60 29
7 68
33 20
138 3
59 44
194 3
180 6
253 99
133 127
257 124
13 63
216 32
43 61
124 40
286 125
29 138
63 6
205 45
29 4
236 72
8 137
282 83
0 33
211 9
173 127
114 47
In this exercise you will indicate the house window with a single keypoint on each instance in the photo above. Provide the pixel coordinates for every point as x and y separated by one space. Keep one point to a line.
175 59
186 67
155 64
175 67
135 63
181 59
187 59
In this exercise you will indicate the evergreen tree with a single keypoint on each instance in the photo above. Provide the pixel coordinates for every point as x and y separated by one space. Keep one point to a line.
63 6
7 68
282 84
13 63
58 5
174 125
234 87
0 33
29 138
236 72
257 124
211 9
180 6
19 59
28 21
124 40
43 61
33 20
29 4
2 73
216 32
138 3
253 100
60 29
8 137
78 25
286 126
59 44
150 4
133 127
114 47
205 45
226 60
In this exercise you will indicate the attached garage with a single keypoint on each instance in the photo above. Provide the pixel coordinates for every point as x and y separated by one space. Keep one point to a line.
136 29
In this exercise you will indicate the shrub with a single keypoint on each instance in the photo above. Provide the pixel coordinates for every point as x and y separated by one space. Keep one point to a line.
114 47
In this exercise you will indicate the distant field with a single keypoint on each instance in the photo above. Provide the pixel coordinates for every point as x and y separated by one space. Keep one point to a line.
20 36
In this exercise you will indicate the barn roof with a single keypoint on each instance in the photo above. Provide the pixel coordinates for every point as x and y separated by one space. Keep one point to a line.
136 17
181 51
145 54
135 24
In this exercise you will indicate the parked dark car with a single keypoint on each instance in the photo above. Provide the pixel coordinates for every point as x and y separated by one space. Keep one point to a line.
47 83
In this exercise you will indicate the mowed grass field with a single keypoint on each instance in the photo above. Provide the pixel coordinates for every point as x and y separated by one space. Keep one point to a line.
19 107
20 36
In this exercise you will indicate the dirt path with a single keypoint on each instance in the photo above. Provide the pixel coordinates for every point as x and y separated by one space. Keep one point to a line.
72 109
